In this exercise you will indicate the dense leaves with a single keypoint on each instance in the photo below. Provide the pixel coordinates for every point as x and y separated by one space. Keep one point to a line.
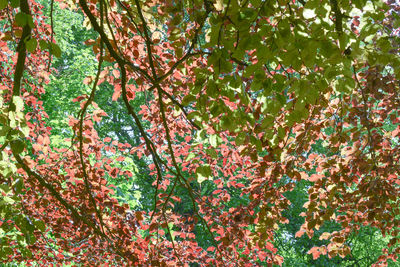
217 133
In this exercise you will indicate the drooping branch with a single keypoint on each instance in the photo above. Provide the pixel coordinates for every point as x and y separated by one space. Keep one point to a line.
148 40
80 136
52 31
158 79
21 50
75 213
120 60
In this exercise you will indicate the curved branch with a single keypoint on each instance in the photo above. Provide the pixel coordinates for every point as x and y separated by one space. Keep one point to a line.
21 50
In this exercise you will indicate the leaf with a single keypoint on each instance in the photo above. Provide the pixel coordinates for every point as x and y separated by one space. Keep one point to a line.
43 44
219 5
214 140
55 50
212 153
270 246
116 73
203 173
299 233
40 225
24 130
359 3
139 216
18 185
31 45
18 102
278 259
187 99
311 224
117 92
3 4
325 236
14 3
315 177
12 117
21 19
190 156
17 146
240 138
315 252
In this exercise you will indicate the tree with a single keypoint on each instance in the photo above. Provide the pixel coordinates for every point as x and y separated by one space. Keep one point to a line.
237 112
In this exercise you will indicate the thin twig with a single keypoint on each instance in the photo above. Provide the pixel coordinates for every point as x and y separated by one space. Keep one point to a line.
52 32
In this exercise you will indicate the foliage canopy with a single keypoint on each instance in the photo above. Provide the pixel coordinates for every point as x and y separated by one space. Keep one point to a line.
220 133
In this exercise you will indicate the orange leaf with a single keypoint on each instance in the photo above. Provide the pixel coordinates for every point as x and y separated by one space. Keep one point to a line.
299 233
324 236
315 252
315 177
117 92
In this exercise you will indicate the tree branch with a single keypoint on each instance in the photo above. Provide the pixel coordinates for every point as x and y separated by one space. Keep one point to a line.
21 50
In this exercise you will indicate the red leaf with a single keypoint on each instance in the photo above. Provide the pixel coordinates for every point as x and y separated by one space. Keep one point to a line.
299 233
120 158
117 92
270 247
115 73
315 252
79 98
88 80
138 216
315 177
278 260
114 172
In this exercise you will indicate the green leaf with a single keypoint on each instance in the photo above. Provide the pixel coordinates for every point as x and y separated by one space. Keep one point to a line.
7 251
18 185
30 21
214 140
227 123
14 3
8 200
212 89
187 99
359 3
203 173
18 102
3 4
212 153
240 138
40 225
31 45
190 156
17 146
11 116
21 19
268 121
55 50
24 130
205 170
4 130
29 226
43 44
256 142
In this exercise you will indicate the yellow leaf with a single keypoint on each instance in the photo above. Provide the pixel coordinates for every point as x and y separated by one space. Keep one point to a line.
219 5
